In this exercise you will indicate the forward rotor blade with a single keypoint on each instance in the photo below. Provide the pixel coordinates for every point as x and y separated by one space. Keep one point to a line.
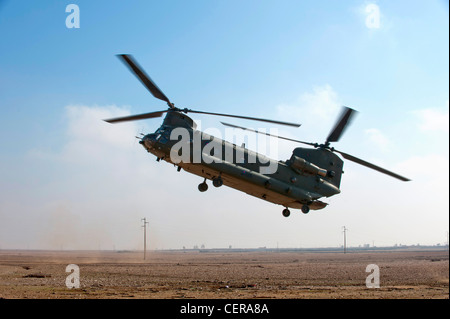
143 77
136 117
341 124
244 117
372 166
272 135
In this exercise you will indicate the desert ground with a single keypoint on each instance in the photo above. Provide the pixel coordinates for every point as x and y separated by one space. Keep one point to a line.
220 274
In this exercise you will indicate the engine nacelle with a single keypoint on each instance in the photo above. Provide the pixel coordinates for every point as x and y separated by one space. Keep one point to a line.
298 163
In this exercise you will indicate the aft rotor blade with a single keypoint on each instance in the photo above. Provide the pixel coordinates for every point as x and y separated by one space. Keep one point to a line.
272 135
135 117
244 117
372 166
341 124
143 77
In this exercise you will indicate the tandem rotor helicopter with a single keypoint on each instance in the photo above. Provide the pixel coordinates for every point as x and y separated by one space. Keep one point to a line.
299 182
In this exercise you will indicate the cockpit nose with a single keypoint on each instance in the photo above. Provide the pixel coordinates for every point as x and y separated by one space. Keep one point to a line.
148 140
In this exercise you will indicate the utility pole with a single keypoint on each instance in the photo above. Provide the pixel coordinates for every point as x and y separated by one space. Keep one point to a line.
345 239
145 234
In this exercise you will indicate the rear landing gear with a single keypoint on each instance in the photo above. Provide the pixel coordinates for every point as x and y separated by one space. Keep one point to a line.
203 187
286 212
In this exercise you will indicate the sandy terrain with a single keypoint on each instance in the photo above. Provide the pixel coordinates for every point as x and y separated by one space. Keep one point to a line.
41 274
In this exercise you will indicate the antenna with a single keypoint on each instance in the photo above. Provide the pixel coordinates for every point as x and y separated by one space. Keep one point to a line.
345 238
145 234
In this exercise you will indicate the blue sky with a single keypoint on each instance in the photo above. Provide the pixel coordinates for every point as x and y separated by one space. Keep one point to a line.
289 60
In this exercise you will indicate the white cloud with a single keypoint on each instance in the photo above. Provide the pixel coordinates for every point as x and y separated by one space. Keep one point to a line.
322 104
433 119
377 138
86 126
430 168
87 135
100 171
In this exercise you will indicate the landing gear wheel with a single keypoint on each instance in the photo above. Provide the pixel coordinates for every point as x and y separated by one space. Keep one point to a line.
305 209
286 212
203 187
217 182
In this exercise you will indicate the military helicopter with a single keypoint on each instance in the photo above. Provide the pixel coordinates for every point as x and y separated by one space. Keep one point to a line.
299 182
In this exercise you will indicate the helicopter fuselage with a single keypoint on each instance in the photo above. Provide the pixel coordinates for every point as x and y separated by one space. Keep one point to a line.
300 181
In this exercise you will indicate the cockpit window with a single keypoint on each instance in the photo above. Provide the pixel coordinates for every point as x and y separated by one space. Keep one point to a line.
162 129
163 139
